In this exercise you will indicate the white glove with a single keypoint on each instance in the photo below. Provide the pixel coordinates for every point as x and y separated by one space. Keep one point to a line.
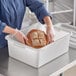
20 36
50 34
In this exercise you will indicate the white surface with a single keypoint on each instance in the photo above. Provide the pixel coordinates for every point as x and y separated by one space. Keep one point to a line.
39 57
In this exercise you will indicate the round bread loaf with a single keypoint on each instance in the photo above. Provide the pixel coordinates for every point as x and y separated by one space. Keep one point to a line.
37 38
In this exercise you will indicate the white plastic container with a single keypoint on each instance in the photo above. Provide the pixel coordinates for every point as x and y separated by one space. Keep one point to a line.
39 57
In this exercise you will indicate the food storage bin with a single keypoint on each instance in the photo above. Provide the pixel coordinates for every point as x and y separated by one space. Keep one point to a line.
38 57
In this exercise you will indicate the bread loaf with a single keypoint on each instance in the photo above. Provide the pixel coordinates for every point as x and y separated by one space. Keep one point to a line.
37 38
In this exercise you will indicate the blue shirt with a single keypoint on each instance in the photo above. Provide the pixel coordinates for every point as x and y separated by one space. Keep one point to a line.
12 13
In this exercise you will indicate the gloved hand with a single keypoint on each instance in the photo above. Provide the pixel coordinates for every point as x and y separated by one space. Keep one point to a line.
20 36
50 34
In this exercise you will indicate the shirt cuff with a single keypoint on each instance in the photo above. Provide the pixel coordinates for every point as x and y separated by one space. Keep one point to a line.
2 26
43 13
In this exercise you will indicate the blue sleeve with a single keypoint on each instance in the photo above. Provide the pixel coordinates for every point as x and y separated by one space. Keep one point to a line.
38 8
2 26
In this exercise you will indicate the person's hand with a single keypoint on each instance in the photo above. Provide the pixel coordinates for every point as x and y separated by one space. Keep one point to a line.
50 34
16 33
49 28
20 36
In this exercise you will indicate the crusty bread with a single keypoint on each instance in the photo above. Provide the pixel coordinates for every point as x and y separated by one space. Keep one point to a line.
37 38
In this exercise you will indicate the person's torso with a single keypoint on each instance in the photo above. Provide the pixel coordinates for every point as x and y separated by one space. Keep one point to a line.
12 13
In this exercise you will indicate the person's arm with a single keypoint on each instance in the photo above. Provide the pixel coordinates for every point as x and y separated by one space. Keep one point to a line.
49 28
38 8
9 30
16 33
4 28
43 16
